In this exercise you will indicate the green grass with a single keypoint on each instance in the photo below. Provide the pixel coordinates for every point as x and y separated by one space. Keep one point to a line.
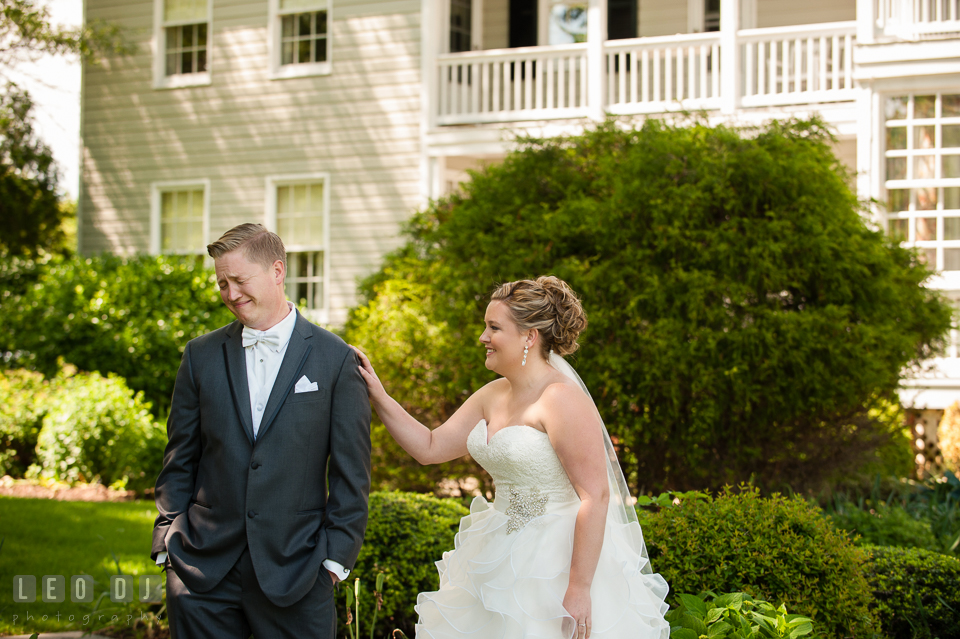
47 537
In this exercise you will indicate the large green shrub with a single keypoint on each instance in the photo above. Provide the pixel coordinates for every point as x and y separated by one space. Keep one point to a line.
23 396
406 534
745 320
129 316
916 593
776 549
98 429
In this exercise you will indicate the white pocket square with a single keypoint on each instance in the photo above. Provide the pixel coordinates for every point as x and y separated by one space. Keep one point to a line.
304 385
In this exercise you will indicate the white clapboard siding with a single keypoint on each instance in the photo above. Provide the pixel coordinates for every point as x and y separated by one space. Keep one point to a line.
784 13
360 125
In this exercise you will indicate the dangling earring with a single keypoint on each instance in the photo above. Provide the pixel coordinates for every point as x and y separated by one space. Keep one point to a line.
524 362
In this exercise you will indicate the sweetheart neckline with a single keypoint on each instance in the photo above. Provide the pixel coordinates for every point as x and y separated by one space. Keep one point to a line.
487 437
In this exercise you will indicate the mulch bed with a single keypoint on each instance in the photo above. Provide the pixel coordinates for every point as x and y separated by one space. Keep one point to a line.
11 487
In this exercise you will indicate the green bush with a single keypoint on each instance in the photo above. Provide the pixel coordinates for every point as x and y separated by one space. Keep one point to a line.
916 593
885 526
129 316
406 534
23 395
775 548
745 319
735 615
98 429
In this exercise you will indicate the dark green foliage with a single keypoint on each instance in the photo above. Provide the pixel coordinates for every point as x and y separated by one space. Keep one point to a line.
23 403
916 593
734 615
744 319
903 512
406 534
129 316
29 203
776 549
96 428
885 526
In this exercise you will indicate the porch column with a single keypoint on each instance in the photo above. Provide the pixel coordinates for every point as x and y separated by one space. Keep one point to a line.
596 63
729 56
429 27
866 22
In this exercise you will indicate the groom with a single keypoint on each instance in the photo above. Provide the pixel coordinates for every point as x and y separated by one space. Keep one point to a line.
263 492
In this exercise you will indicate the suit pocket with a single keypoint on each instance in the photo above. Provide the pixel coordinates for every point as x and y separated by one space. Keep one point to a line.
314 511
309 396
194 502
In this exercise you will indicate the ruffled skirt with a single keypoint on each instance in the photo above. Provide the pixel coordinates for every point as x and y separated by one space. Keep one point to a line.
496 585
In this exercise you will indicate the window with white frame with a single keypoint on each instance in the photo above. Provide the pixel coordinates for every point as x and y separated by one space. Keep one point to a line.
922 164
298 210
299 37
183 35
179 218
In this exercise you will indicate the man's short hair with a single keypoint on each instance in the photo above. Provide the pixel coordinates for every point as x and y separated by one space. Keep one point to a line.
258 244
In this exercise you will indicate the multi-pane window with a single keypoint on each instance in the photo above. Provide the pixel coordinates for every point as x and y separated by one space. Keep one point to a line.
711 15
181 220
922 159
301 224
185 36
303 35
186 49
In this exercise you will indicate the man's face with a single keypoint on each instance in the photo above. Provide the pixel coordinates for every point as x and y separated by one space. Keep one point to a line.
254 294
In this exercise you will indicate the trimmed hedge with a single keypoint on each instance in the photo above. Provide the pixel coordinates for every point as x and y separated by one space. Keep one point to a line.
916 593
406 534
776 549
131 316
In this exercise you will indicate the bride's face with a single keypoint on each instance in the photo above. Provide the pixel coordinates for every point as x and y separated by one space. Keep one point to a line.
502 338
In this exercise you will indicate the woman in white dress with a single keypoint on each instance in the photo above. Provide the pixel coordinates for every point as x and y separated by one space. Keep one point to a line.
559 553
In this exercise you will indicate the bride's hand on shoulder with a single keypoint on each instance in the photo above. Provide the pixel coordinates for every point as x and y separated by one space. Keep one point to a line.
577 603
374 386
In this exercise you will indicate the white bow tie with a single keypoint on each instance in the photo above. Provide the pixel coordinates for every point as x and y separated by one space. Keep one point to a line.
267 338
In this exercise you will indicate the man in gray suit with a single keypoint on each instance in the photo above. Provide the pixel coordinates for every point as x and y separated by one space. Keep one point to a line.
263 493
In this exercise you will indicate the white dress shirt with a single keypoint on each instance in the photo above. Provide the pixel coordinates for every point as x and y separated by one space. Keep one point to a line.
263 364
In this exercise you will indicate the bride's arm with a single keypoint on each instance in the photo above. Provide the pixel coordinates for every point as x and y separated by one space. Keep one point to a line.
445 443
577 435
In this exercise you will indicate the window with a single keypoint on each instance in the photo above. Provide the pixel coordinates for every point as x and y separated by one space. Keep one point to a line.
183 36
179 219
922 165
461 18
298 211
299 38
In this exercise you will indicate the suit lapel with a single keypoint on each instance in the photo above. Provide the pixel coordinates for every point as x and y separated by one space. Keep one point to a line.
237 376
297 351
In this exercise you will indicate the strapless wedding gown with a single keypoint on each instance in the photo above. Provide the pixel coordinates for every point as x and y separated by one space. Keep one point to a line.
509 570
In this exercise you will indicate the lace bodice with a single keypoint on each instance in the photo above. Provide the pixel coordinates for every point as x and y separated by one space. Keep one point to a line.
521 457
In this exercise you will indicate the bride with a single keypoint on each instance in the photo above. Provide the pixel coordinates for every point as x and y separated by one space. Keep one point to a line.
559 553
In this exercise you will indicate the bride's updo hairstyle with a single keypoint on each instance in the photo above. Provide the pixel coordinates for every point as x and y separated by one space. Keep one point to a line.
549 305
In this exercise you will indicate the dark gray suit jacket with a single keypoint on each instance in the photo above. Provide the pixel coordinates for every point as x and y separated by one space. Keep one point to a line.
296 496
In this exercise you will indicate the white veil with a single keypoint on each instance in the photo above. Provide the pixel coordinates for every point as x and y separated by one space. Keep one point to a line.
621 509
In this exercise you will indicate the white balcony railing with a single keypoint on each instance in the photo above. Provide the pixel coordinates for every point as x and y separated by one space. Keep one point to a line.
505 85
915 19
650 75
779 66
797 65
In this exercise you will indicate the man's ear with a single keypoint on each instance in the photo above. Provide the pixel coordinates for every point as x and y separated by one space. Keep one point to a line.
279 272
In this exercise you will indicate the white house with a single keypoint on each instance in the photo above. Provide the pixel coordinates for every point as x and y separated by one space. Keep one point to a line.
332 120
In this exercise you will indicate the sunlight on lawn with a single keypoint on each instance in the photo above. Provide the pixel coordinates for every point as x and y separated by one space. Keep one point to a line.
47 537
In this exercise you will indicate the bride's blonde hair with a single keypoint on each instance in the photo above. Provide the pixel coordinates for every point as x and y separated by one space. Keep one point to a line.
549 305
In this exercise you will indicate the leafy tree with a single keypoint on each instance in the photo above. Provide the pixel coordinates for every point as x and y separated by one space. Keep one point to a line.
29 199
29 202
26 33
744 319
